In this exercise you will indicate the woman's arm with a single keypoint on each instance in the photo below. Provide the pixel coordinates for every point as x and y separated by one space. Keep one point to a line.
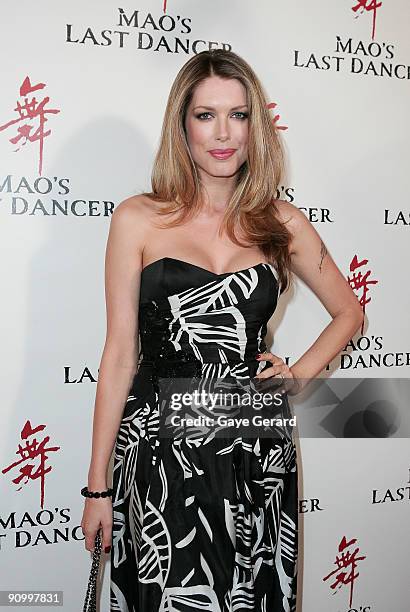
119 358
313 264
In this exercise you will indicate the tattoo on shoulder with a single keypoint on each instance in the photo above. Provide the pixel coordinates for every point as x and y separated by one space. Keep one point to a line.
323 253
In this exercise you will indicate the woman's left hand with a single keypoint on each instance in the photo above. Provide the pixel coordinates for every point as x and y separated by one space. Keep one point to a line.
278 369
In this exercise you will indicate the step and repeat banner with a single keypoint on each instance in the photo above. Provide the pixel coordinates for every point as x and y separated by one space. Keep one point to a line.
83 93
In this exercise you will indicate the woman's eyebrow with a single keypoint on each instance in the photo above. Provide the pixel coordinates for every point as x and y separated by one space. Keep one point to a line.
212 108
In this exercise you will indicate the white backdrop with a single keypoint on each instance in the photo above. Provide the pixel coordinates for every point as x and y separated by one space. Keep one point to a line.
341 92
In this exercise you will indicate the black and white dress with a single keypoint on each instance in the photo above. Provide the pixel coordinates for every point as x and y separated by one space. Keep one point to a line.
208 525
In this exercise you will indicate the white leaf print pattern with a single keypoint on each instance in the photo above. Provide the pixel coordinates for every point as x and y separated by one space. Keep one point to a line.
243 597
168 542
195 310
181 599
155 553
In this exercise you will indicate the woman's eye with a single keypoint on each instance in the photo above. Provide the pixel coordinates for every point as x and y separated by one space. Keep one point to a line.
205 115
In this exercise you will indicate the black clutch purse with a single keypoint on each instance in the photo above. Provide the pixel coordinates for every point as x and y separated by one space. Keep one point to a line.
90 603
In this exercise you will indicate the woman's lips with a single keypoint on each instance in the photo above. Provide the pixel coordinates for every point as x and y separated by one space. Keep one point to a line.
222 153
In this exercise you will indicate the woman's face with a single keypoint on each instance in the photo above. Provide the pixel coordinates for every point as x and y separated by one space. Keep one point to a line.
216 125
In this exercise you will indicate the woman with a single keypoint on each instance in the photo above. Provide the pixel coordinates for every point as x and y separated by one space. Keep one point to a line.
195 268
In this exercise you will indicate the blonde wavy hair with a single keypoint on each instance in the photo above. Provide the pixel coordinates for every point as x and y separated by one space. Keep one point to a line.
253 205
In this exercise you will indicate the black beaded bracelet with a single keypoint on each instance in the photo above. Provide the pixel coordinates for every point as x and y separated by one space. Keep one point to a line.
86 493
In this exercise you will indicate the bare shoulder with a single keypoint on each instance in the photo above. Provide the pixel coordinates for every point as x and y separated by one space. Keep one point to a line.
294 219
304 234
134 216
138 208
312 262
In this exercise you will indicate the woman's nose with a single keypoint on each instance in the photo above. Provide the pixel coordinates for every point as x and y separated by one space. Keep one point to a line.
222 129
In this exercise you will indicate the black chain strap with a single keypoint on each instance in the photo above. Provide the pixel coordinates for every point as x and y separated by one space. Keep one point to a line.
90 603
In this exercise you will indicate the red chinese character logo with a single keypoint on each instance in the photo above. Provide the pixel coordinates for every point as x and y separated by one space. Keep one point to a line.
360 282
346 561
276 117
367 5
31 451
32 118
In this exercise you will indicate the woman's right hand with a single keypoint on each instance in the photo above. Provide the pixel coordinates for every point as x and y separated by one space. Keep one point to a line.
97 515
